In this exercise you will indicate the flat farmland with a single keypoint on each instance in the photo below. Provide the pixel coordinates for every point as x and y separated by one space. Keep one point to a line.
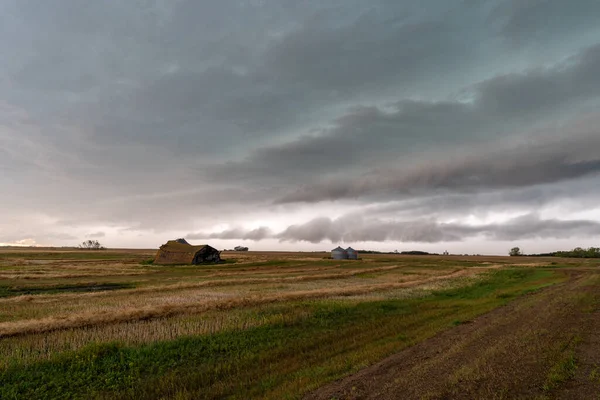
110 324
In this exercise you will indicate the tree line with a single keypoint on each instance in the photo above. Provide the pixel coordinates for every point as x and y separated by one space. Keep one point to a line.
578 252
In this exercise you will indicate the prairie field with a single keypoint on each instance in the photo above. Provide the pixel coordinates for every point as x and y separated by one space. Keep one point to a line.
110 324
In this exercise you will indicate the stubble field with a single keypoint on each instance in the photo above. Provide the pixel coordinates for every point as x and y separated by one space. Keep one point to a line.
109 324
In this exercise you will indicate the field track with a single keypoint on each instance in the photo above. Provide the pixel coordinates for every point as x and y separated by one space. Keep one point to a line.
498 355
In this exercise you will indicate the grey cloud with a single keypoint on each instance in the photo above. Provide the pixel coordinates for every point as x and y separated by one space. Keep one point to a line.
155 115
67 46
238 233
191 78
109 58
370 136
314 231
361 136
258 234
360 53
362 230
163 210
38 237
512 166
96 235
542 89
483 202
365 136
218 101
59 236
541 21
356 229
203 105
264 94
531 226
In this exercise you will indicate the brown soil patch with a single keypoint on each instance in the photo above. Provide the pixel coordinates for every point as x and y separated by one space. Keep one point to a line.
586 383
506 353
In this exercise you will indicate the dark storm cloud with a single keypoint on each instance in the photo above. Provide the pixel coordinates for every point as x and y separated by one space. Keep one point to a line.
542 89
285 79
362 53
160 115
532 227
219 101
481 203
358 137
500 107
509 167
198 86
537 21
357 229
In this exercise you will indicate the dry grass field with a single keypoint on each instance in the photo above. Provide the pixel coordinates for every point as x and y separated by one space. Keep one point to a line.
110 324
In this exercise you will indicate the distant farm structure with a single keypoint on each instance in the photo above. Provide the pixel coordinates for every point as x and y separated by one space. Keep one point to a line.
181 252
344 254
352 254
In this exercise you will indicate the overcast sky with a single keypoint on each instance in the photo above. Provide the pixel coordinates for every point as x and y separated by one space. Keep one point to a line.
460 125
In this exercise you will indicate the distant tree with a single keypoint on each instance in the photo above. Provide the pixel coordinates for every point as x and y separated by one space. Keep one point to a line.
91 245
593 252
578 252
515 252
240 248
415 253
364 251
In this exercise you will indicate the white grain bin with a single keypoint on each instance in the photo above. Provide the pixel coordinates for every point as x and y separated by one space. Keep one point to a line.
339 254
352 254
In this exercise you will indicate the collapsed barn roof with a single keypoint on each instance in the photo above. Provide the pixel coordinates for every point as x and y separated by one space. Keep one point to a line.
176 252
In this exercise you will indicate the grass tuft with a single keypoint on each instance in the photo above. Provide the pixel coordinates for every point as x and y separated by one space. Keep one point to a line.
561 372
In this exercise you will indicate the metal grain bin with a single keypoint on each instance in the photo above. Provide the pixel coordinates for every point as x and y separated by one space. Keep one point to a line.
339 254
352 254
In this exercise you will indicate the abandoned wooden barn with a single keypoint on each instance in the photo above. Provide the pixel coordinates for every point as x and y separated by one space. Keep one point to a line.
181 252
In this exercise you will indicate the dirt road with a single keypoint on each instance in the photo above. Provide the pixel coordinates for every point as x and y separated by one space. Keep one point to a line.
543 345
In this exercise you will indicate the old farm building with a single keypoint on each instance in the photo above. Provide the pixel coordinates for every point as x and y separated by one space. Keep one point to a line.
181 252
